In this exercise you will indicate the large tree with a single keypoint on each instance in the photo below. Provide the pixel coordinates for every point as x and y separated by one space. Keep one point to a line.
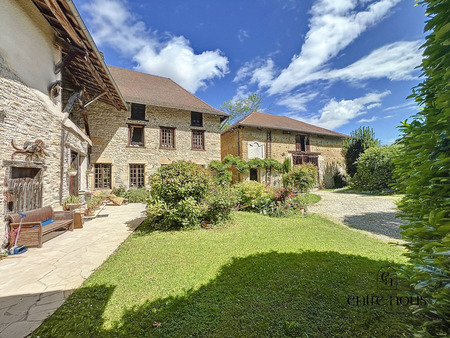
241 107
423 172
360 140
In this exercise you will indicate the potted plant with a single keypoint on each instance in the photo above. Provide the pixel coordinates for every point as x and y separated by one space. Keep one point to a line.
90 172
72 202
72 171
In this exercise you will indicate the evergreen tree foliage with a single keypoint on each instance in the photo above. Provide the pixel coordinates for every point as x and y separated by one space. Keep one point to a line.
360 140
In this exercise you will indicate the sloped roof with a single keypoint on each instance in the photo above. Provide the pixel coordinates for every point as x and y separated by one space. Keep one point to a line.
158 91
263 120
87 66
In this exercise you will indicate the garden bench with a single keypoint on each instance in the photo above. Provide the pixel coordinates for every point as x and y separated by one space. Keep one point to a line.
37 223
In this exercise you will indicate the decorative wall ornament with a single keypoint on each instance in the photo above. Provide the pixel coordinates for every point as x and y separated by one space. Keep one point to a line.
32 150
55 89
255 150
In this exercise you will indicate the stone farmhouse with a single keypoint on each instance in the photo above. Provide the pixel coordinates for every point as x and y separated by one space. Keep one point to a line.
164 124
61 109
261 135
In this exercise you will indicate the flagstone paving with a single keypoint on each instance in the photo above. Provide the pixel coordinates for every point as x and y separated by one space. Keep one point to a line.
36 283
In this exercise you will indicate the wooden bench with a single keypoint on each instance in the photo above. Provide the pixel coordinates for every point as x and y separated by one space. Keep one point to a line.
32 229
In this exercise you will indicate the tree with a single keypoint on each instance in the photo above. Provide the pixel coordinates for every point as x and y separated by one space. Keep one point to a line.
240 108
360 140
423 172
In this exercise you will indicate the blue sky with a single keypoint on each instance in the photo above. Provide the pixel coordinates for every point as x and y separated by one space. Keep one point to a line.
338 64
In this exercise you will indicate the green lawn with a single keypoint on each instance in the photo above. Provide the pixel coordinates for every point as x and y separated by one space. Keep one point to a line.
261 277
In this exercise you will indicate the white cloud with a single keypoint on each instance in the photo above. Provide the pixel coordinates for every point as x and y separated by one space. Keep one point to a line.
388 116
113 24
333 26
297 102
337 113
407 105
243 35
372 119
258 71
396 61
373 105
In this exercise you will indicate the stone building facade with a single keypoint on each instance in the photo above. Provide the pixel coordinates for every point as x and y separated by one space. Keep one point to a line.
127 146
32 106
268 136
110 133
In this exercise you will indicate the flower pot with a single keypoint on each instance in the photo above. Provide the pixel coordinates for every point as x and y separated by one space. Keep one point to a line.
73 172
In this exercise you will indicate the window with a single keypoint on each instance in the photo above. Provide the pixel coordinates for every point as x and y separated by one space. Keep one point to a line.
102 176
136 136
167 139
137 111
301 143
253 174
196 119
198 140
136 175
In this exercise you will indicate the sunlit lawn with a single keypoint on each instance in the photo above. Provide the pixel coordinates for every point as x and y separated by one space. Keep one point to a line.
260 277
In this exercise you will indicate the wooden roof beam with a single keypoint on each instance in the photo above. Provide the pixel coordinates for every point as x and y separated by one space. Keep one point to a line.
59 14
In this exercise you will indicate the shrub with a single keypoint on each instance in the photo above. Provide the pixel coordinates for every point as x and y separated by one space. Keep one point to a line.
303 177
340 180
375 169
221 172
423 171
287 165
221 201
183 195
254 196
360 139
139 195
119 191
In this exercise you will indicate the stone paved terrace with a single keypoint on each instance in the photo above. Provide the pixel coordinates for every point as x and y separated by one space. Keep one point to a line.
34 284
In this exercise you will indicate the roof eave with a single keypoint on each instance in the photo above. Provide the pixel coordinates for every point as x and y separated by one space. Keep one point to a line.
283 128
95 49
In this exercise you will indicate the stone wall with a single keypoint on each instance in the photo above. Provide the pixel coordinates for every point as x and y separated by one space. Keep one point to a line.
27 115
330 149
109 134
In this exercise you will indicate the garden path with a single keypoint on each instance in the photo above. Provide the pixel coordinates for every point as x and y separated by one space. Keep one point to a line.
376 214
36 283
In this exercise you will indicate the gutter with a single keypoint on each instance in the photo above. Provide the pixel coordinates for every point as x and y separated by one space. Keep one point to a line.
96 51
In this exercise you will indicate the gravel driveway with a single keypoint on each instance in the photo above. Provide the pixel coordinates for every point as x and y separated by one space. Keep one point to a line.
375 214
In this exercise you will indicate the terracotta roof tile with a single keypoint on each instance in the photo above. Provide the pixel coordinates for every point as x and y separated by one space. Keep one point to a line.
263 120
158 91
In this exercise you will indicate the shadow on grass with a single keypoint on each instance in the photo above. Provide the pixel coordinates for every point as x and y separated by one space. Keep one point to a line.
268 294
380 223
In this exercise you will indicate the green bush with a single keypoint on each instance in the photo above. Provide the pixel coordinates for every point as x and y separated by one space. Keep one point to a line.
119 191
253 196
183 195
221 201
139 195
303 177
360 139
423 172
375 169
340 180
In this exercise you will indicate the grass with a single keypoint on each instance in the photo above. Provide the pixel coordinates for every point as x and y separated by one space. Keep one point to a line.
313 198
260 277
